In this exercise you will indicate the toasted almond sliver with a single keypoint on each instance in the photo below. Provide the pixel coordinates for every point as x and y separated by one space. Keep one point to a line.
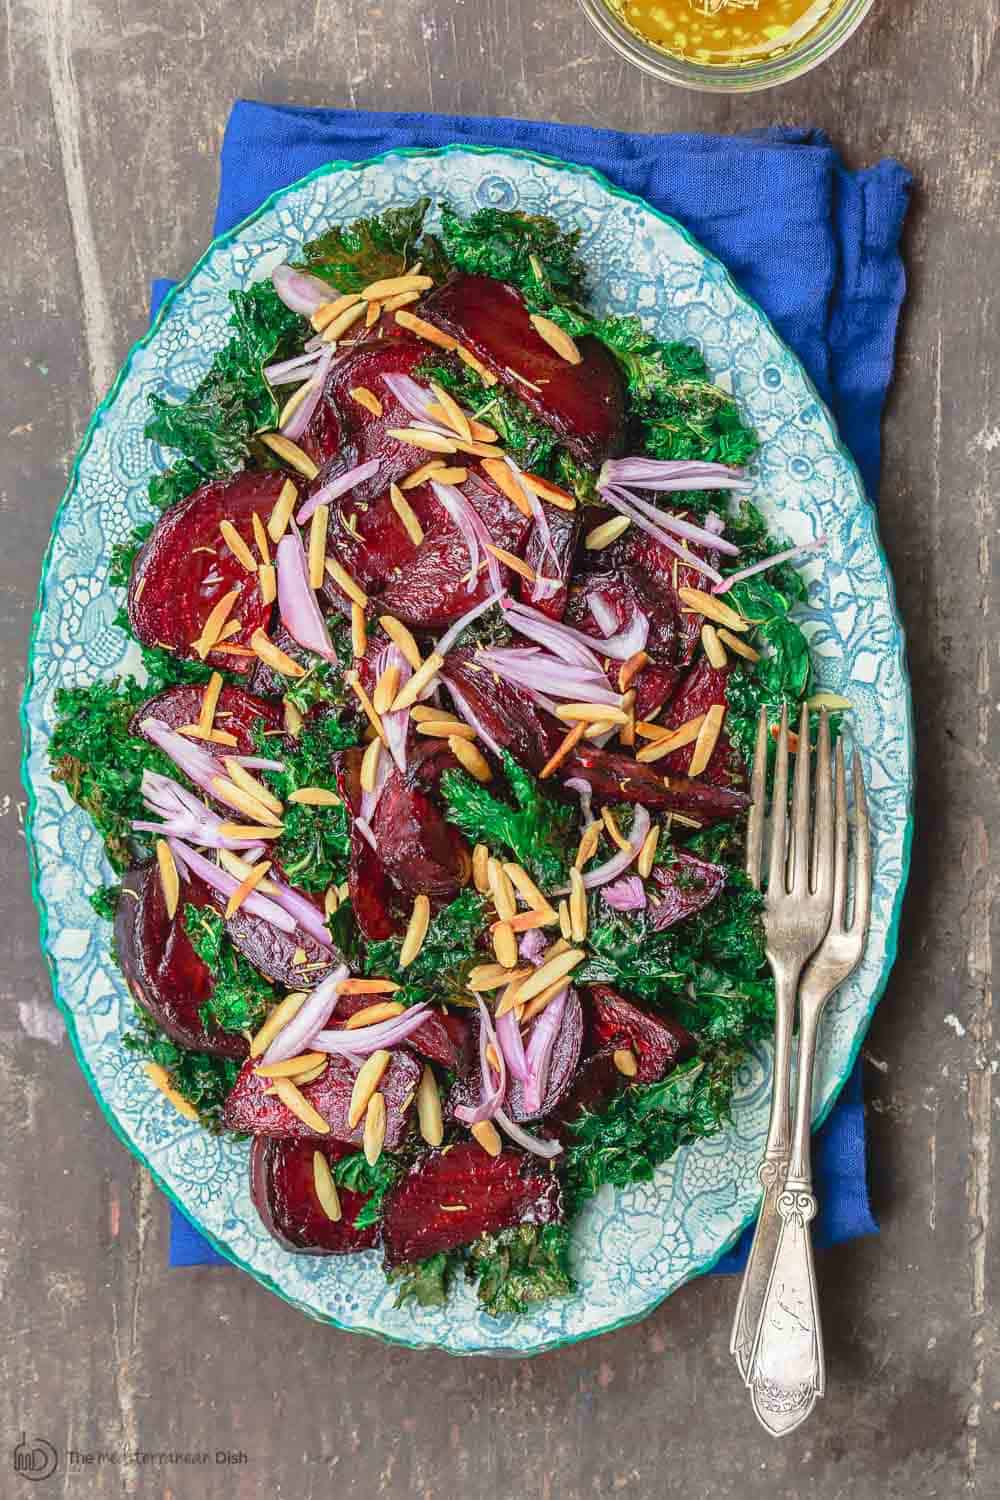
274 657
557 339
292 717
455 417
712 608
279 1017
317 544
310 1074
516 564
712 646
599 727
331 900
289 453
510 999
417 437
628 729
373 314
429 1115
406 514
245 802
525 886
609 531
245 887
209 703
546 490
268 580
292 1065
339 325
535 1006
314 796
469 756
565 920
252 830
587 847
673 739
832 701
237 546
401 636
214 736
325 1188
299 1105
625 1061
557 757
366 398
425 330
213 625
368 1079
486 977
629 670
421 678
442 728
742 648
506 481
416 931
577 907
531 921
550 971
501 890
486 1133
344 581
454 475
327 311
391 286
383 1010
385 690
231 628
505 945
614 832
354 683
241 868
260 536
161 1078
421 475
169 878
708 736
468 358
647 853
402 299
480 450
280 516
369 764
591 713
480 865
295 400
249 784
367 986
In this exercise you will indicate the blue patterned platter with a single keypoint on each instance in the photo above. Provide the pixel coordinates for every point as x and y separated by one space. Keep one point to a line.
631 1248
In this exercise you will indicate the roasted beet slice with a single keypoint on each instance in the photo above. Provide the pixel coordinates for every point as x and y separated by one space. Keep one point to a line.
249 1108
449 1198
340 423
584 403
282 1186
643 555
658 1042
704 687
510 717
686 885
238 712
422 853
596 1082
161 968
618 778
293 959
444 1039
562 1069
624 592
186 568
564 532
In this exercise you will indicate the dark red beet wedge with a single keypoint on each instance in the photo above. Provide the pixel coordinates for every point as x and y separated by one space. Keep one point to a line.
186 568
444 1039
584 403
293 959
687 884
282 1186
618 778
658 1042
510 717
665 573
249 1108
703 688
596 1082
564 532
421 852
161 968
238 712
342 433
449 1198
562 1069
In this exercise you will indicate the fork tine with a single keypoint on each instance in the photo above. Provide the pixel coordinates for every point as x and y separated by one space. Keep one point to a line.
838 917
862 853
798 854
822 849
779 809
755 820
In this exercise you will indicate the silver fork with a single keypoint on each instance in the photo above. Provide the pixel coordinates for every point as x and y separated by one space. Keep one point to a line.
796 915
787 1373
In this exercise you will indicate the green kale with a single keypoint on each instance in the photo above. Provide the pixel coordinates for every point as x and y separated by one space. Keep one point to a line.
782 675
536 830
520 1266
424 1282
353 256
625 951
723 1008
449 950
164 669
241 997
527 250
324 682
526 437
212 427
174 484
123 555
357 1175
105 901
204 1081
315 846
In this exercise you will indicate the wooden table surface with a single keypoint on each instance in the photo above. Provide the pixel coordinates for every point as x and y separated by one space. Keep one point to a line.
114 115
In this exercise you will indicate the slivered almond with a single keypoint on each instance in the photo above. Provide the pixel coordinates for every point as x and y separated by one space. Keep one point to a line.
625 1061
402 299
290 1066
232 650
274 657
468 358
245 802
281 514
480 450
416 931
480 864
671 739
577 907
289 453
454 475
317 544
712 646
587 847
209 702
425 330
591 713
354 683
441 727
599 727
231 628
708 736
267 578
385 690
369 765
296 399
367 987
403 638
505 945
338 326
557 757
535 1006
299 1105
506 481
832 701
327 311
213 625
422 677
493 1057
501 890
373 314
417 437
647 853
260 535
509 1000
253 831
237 546
429 1116
614 832
359 630
169 878
242 778
486 977
545 490
331 900
241 868
213 736
245 887
486 1133
548 972
629 670
609 531
325 1188
525 886
159 1076
516 564
368 1079
406 514
421 475
530 921
310 1074
314 796
712 608
292 717
455 417
742 648
384 1010
469 756
279 1018
391 286
366 398
344 581
557 339
628 729
565 920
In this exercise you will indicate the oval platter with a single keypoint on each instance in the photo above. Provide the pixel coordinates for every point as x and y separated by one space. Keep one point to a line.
634 1247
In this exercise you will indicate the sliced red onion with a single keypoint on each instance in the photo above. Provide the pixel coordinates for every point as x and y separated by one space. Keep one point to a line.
297 604
714 523
201 767
364 1040
770 562
185 815
459 509
543 587
492 1093
532 945
258 763
226 884
671 474
524 1138
337 487
300 291
574 646
627 894
509 1038
698 534
585 792
365 829
549 704
604 614
291 371
468 713
539 672
303 910
453 632
397 725
415 399
296 1035
538 1054
623 503
620 861
303 413
453 499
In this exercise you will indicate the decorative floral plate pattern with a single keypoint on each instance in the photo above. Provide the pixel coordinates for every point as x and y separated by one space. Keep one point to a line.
631 1248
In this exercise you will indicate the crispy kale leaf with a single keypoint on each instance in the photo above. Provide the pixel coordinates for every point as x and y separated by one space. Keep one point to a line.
205 1082
626 952
448 952
527 250
424 1282
241 997
359 1176
526 438
314 848
368 250
782 675
536 830
519 1266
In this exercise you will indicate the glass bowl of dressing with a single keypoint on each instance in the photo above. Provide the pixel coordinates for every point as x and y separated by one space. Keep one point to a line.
726 46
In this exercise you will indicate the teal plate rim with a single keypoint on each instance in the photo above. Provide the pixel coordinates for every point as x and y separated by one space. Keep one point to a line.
98 417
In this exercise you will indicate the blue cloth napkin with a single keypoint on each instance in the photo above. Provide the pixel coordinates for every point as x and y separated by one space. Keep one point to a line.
816 245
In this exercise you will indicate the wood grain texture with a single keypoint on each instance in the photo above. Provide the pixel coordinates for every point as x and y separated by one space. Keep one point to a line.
113 119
